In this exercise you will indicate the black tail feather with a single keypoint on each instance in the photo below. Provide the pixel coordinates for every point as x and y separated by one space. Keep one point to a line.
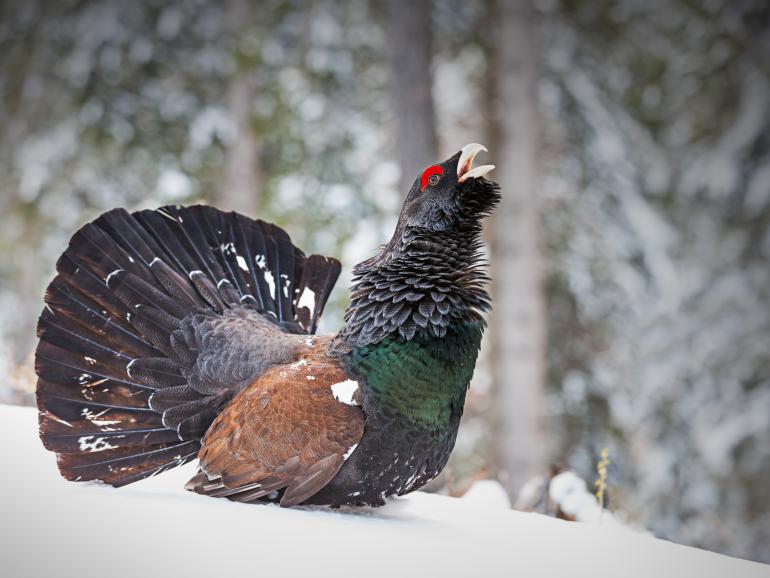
316 282
113 401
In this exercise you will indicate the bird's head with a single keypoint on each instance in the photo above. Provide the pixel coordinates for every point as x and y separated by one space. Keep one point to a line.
451 194
430 275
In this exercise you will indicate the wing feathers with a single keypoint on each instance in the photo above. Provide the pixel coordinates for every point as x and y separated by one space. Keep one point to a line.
285 434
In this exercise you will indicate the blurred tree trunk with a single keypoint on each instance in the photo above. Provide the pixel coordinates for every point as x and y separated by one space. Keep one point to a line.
518 322
243 170
410 39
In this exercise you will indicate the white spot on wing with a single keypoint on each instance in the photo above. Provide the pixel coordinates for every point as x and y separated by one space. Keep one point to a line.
344 390
350 451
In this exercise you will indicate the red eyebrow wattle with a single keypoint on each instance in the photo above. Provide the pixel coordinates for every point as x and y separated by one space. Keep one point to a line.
428 173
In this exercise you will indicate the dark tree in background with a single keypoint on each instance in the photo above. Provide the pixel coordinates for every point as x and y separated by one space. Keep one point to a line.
410 81
518 323
241 189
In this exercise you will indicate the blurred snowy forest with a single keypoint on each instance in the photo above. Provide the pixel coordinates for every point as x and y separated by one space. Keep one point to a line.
631 255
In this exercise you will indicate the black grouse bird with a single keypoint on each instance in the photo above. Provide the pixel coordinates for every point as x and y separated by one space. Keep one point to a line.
190 332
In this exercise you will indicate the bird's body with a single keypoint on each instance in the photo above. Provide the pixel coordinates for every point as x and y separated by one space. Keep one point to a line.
189 332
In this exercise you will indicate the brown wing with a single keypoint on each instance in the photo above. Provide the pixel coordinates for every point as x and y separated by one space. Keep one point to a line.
285 431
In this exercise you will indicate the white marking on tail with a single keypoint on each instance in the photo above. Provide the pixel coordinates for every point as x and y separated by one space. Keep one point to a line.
270 280
155 260
307 299
61 421
261 262
165 214
128 368
89 360
344 391
241 262
194 273
94 418
115 272
98 444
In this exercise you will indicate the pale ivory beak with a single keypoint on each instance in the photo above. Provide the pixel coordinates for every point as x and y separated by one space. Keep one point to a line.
465 168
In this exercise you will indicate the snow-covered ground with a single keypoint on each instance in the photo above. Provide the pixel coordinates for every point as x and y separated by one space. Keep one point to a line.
53 528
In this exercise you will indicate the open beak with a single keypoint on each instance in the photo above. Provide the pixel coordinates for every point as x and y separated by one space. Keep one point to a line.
465 168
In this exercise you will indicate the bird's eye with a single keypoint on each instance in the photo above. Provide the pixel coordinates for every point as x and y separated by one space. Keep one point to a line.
430 176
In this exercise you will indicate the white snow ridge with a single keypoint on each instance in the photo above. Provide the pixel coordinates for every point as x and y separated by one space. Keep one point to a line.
51 527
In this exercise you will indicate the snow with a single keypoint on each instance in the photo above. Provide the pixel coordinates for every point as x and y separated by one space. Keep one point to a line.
487 493
571 494
51 527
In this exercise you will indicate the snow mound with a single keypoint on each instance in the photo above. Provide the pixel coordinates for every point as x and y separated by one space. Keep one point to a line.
51 527
574 499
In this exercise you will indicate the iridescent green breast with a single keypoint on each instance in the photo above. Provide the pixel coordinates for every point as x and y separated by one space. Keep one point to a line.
413 395
424 379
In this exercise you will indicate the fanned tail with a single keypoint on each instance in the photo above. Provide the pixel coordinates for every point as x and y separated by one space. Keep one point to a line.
107 334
